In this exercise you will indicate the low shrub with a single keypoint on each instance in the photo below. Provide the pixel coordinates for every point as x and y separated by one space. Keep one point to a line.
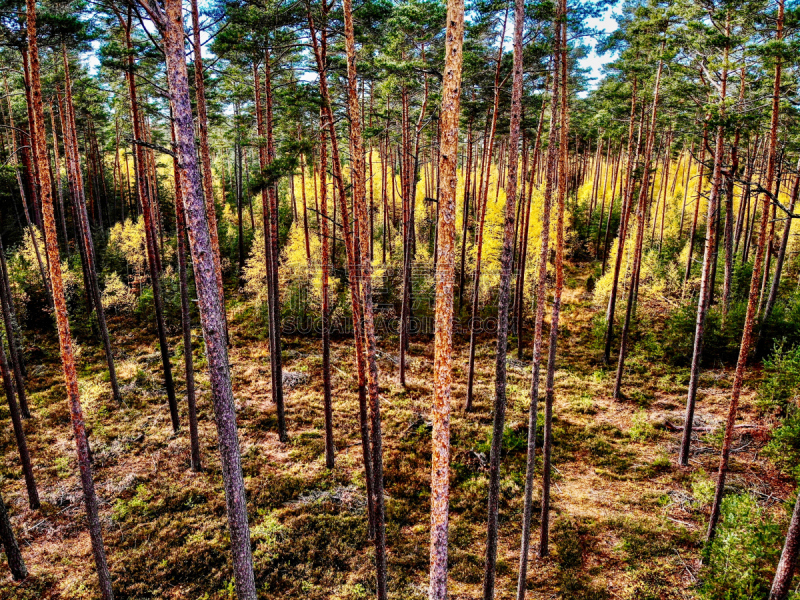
741 560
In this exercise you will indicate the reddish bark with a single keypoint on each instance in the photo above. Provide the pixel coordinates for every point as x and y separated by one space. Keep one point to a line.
153 262
268 214
641 221
62 321
540 300
506 256
781 583
210 302
361 257
752 301
29 225
445 280
74 169
320 54
706 279
186 316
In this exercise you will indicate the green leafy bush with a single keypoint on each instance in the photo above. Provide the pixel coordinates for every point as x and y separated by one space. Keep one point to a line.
720 341
780 392
782 327
743 555
514 440
780 388
784 447
641 429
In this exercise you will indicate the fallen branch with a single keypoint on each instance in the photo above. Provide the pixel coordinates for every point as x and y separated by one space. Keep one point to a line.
685 566
673 427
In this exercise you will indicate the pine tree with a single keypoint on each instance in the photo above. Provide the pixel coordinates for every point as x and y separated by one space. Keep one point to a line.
64 333
506 257
210 302
561 170
752 301
445 281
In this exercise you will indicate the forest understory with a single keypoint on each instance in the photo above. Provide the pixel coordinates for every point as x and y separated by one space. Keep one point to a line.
404 299
628 523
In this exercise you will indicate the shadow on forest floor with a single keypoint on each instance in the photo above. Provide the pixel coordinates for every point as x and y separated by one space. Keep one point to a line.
626 522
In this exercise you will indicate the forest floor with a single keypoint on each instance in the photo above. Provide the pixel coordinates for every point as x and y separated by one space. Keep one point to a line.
626 523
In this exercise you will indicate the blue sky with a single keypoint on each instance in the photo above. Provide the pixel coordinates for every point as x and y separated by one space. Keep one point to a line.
594 61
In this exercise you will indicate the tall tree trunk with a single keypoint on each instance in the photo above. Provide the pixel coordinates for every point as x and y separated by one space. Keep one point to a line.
361 255
698 196
751 219
706 279
611 209
28 224
35 130
544 525
19 431
642 219
752 301
76 218
153 262
7 306
743 223
540 301
326 325
239 207
64 334
623 228
13 555
729 193
274 257
779 260
788 561
384 160
465 214
409 180
770 240
5 289
205 152
320 54
603 200
445 279
210 302
186 315
269 214
483 200
73 159
305 207
520 294
59 180
506 256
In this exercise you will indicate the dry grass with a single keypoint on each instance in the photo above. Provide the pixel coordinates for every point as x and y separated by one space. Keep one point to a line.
625 521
